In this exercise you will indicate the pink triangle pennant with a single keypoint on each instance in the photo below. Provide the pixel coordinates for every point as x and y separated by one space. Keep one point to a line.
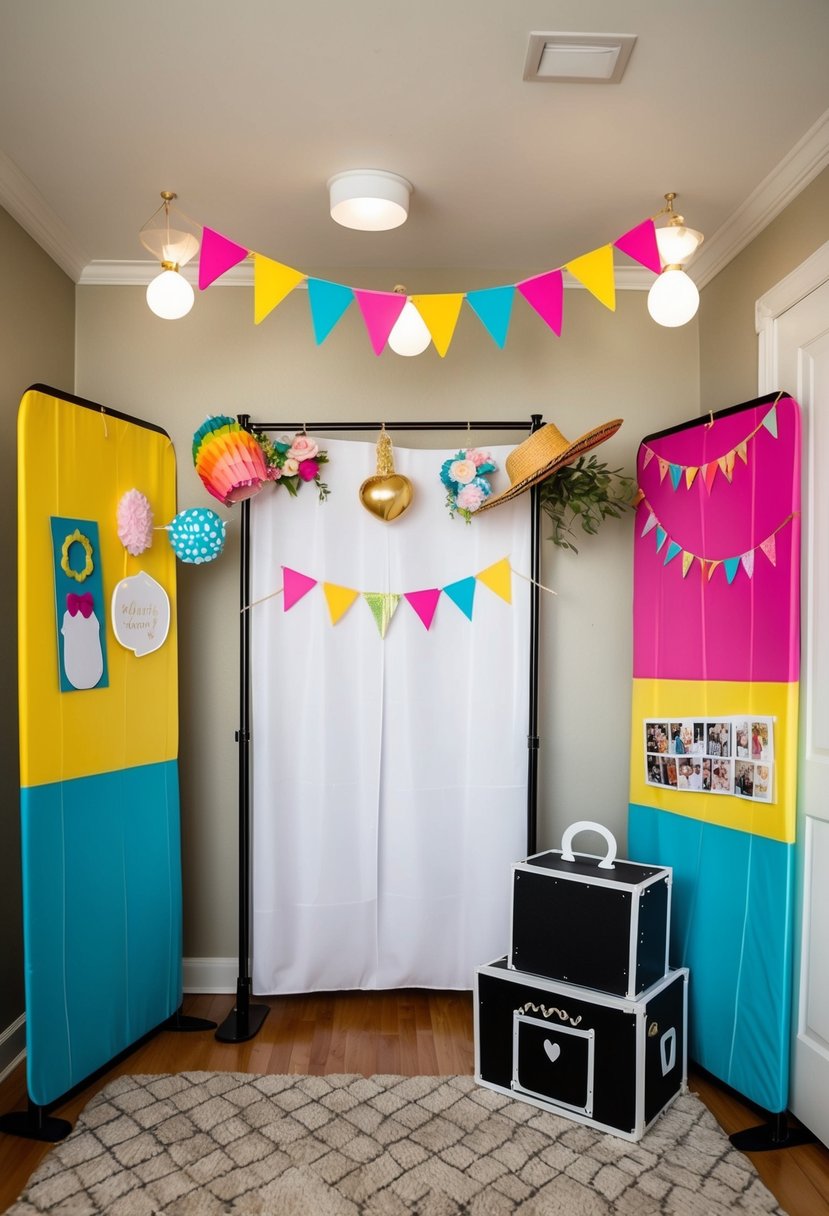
294 586
640 244
663 469
747 560
650 523
424 603
380 310
545 293
769 547
648 457
217 256
710 472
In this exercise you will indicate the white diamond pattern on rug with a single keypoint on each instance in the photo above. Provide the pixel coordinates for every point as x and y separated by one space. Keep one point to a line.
238 1144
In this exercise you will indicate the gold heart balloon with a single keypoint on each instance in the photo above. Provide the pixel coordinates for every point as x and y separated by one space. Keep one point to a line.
388 494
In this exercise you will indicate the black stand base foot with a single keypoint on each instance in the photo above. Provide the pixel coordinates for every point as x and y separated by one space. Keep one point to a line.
35 1124
774 1134
244 1020
184 1023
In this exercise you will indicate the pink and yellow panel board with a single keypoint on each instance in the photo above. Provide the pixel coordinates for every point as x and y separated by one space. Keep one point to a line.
98 700
715 719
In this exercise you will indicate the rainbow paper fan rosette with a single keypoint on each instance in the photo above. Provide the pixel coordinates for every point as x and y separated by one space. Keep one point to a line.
229 460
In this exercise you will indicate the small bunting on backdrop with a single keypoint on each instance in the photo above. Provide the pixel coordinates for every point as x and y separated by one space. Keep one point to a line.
462 595
498 577
339 600
731 565
595 272
294 586
723 463
274 281
217 256
383 605
424 603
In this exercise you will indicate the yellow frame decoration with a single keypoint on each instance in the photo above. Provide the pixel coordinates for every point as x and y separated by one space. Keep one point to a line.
77 538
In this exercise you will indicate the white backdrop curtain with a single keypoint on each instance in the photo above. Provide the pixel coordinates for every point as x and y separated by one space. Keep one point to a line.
389 777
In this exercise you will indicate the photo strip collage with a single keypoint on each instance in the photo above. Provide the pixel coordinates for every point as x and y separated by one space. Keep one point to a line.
719 756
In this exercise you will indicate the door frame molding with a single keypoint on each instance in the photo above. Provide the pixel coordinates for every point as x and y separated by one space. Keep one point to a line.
803 280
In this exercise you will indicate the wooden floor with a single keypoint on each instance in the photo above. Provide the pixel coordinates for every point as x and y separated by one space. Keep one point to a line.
413 1032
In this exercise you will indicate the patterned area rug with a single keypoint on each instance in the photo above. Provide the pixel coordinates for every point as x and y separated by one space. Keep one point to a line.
206 1144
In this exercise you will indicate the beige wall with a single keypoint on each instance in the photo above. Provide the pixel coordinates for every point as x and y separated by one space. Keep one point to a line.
727 337
37 307
216 361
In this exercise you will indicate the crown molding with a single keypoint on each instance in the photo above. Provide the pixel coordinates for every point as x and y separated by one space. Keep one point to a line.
807 159
29 208
139 273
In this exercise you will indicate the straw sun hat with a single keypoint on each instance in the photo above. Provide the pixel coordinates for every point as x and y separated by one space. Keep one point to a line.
545 451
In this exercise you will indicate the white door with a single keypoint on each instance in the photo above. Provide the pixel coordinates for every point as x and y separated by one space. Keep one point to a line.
801 347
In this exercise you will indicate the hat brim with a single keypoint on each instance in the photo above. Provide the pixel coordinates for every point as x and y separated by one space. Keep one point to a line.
578 447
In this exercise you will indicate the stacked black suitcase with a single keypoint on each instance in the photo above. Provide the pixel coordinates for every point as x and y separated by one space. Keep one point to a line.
583 1016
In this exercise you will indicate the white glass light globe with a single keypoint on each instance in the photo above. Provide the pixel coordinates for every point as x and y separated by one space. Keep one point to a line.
673 300
409 335
676 243
170 296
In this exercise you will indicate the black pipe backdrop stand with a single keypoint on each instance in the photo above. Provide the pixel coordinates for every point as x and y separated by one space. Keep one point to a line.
245 1019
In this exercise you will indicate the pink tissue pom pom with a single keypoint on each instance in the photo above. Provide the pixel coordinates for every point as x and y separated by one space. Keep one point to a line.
135 522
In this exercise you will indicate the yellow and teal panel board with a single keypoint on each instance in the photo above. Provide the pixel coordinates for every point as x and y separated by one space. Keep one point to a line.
99 797
714 722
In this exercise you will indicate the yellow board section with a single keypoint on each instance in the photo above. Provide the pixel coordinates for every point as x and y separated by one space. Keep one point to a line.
676 699
77 462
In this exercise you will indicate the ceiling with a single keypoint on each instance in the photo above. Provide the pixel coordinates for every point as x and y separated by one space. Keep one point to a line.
246 109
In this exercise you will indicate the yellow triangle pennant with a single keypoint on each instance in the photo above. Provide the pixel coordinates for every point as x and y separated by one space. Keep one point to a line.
272 282
498 577
742 451
595 272
339 600
663 468
711 568
690 473
440 316
687 562
383 605
724 465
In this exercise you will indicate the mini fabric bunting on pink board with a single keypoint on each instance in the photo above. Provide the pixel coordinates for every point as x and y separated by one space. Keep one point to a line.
218 255
424 603
294 586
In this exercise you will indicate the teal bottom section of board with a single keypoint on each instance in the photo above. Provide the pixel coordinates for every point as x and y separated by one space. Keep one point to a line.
731 925
101 919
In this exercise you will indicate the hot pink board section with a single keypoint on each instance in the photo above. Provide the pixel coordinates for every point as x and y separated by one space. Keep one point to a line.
696 628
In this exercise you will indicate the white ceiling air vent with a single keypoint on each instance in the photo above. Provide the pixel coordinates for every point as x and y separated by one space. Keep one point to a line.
588 58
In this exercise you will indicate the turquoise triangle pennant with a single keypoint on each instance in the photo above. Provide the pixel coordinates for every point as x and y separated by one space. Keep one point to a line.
493 308
328 302
661 537
673 549
770 420
732 565
676 474
462 594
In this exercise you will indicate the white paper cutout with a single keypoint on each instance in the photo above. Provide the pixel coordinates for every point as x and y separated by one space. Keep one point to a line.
140 614
83 660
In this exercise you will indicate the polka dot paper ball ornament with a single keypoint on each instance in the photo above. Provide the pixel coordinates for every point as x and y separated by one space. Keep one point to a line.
197 535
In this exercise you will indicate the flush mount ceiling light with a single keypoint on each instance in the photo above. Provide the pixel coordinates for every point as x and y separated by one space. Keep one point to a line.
674 299
171 238
371 200
585 58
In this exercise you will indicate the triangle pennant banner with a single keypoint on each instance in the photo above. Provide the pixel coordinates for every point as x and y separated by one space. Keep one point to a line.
328 302
747 562
676 475
648 457
673 549
709 472
649 523
493 308
769 547
440 316
663 469
732 565
462 595
690 473
687 562
294 586
742 451
383 605
640 244
661 537
272 282
424 603
498 577
595 272
726 466
711 568
545 293
380 310
339 600
770 421
217 256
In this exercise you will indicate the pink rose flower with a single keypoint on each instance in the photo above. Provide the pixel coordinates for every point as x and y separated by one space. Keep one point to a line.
274 472
308 469
462 471
478 457
470 498
290 466
303 448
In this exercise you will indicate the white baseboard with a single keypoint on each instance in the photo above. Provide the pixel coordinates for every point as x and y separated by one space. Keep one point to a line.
12 1046
210 974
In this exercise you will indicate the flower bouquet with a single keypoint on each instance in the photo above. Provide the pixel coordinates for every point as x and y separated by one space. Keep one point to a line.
291 462
464 476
